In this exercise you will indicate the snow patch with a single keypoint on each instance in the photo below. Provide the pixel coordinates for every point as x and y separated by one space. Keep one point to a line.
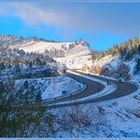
54 86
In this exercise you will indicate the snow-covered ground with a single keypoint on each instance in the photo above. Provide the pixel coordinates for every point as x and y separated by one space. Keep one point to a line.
54 86
113 62
74 55
121 118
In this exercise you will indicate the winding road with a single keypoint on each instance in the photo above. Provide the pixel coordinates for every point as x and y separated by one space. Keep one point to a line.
92 87
123 88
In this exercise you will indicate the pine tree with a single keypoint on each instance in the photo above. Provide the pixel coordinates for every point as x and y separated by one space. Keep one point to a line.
138 49
2 66
138 65
26 84
38 96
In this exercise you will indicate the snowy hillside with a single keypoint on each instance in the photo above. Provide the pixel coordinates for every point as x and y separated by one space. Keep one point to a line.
72 54
113 66
53 86
120 62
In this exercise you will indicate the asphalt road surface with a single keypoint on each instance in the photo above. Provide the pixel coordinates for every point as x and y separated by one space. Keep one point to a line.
92 87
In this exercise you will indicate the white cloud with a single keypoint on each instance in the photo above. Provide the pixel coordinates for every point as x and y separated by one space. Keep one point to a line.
33 14
75 18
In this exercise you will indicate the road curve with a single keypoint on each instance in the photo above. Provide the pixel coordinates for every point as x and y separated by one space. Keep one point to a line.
123 88
92 87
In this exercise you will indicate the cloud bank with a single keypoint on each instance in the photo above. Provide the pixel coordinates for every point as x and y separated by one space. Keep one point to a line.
119 18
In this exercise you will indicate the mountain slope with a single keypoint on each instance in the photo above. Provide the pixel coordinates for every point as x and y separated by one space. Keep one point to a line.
72 54
121 61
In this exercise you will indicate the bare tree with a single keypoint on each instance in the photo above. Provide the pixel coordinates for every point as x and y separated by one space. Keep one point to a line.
80 119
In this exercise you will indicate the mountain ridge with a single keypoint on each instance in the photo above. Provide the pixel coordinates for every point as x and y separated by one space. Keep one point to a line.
73 54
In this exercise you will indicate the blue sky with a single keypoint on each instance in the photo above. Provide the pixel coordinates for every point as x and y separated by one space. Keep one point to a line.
101 24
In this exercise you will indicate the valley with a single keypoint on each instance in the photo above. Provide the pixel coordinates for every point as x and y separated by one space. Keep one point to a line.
40 80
